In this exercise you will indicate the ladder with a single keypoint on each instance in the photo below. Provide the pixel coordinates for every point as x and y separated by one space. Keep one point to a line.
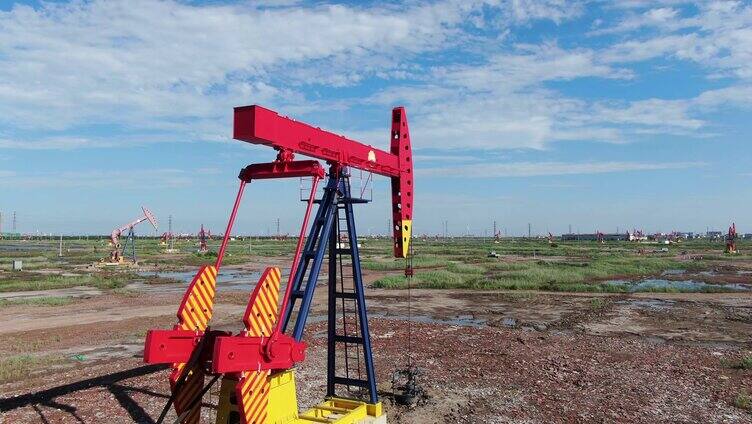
349 330
348 336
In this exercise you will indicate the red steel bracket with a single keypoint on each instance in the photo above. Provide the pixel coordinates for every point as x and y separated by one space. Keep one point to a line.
282 169
239 353
177 346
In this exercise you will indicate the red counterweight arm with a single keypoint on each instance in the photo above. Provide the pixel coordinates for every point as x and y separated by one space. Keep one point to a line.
258 125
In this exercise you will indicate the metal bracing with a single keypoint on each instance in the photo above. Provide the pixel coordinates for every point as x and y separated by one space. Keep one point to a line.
312 256
361 342
324 234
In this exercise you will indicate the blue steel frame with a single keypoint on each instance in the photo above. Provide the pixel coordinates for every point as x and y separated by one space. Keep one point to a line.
130 238
323 234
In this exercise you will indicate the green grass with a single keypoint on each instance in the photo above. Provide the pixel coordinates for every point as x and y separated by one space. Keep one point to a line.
526 264
465 268
745 363
597 303
38 301
32 281
153 279
582 275
16 367
743 401
429 261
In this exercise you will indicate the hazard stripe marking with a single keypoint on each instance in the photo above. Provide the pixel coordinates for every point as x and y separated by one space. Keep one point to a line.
252 389
194 313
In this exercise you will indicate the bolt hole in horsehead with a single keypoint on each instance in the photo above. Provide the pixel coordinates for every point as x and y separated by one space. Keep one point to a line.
255 368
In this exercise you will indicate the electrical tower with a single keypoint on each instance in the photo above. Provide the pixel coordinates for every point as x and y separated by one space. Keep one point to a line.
14 222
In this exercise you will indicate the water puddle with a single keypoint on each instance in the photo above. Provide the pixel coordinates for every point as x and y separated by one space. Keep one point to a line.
229 280
229 276
649 304
658 285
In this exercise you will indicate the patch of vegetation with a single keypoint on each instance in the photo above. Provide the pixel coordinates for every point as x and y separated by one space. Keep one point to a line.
155 279
33 281
465 268
37 301
430 261
597 303
526 264
743 401
391 282
16 367
745 363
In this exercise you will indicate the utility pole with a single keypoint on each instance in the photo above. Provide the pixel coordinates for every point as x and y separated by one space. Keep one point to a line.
570 228
169 234
277 227
60 247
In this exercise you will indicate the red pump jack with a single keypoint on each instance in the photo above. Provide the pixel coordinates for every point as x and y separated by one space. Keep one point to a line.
256 364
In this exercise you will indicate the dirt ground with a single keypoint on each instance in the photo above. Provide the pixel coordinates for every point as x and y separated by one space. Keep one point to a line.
485 357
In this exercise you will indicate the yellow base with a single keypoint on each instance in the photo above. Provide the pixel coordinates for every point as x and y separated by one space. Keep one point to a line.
344 411
283 406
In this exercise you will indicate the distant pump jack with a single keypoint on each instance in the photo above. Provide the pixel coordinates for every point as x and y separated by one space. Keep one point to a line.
203 235
731 240
118 251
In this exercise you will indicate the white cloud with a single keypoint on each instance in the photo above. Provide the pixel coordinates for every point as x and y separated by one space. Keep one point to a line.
501 104
554 10
137 179
55 143
718 37
532 65
135 61
154 67
530 169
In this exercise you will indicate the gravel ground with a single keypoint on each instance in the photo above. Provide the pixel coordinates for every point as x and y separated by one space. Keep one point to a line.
471 375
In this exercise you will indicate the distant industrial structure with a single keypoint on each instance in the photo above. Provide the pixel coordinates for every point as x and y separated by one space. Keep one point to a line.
595 237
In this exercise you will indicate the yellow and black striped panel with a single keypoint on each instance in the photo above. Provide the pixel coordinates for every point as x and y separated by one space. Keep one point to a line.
260 317
195 310
261 313
194 313
186 397
253 392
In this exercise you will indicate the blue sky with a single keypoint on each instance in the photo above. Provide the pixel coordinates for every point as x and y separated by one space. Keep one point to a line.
594 114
